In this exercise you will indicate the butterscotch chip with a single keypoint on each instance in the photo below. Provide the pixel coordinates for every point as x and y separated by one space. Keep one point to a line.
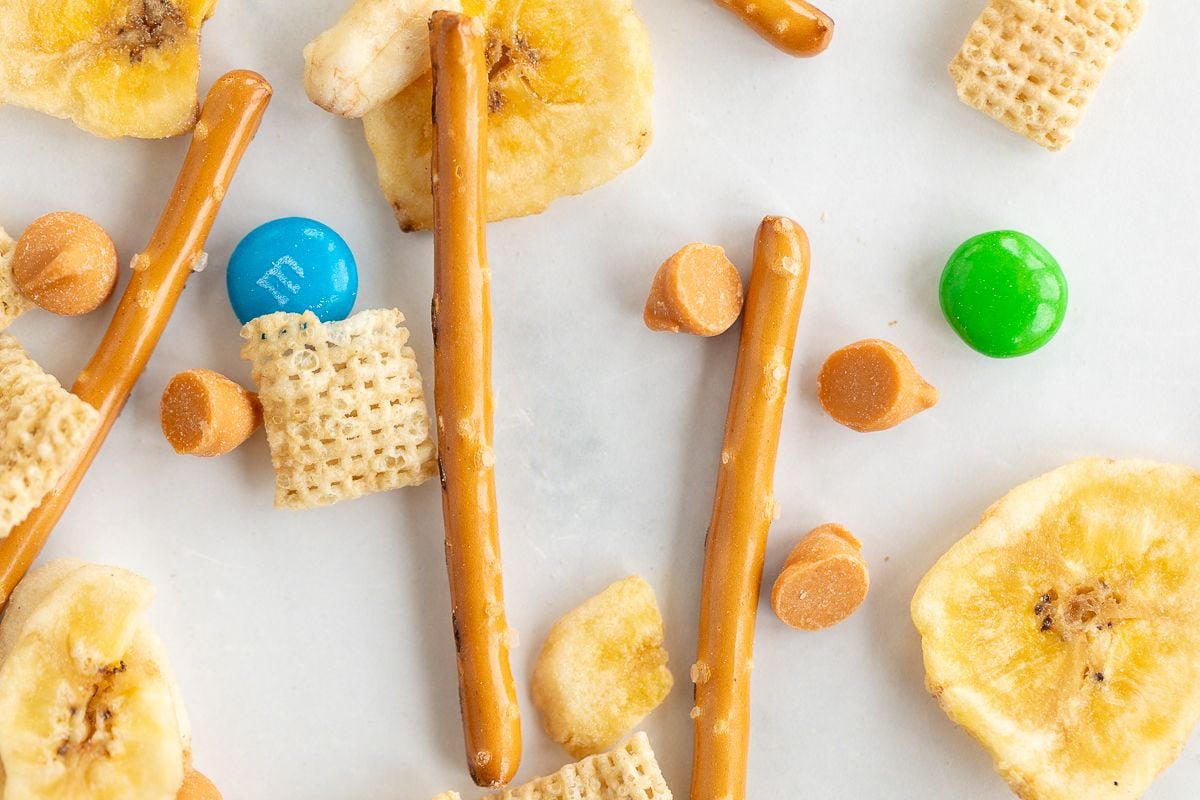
628 773
696 291
823 581
65 263
871 385
43 429
342 403
206 414
12 303
1034 65
197 787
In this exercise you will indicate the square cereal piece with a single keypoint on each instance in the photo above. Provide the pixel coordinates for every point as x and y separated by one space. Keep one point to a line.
343 405
1035 64
628 773
12 303
43 429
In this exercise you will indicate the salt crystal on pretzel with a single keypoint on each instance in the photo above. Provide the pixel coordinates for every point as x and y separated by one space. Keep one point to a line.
43 428
1034 65
343 405
12 303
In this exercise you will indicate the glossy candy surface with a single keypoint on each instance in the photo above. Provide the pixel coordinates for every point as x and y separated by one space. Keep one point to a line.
1004 294
295 265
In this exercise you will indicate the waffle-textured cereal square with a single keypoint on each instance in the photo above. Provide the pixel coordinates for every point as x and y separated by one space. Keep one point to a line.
343 405
43 429
12 303
628 773
1034 65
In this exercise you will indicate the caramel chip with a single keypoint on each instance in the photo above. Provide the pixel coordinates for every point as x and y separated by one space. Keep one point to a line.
65 263
197 787
872 386
206 414
696 291
823 581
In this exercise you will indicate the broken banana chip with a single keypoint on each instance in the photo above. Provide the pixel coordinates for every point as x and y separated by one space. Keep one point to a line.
1064 632
602 668
569 98
113 67
376 49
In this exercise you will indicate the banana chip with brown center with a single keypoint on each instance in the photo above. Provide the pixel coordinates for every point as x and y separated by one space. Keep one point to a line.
113 67
569 93
1064 632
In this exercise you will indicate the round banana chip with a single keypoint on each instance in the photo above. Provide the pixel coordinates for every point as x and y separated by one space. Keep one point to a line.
1064 631
569 98
88 706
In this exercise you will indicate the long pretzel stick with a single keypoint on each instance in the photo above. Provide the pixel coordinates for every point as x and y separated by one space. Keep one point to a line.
230 117
462 325
743 509
796 27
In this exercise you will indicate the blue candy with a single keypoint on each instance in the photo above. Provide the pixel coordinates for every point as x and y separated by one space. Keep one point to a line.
292 264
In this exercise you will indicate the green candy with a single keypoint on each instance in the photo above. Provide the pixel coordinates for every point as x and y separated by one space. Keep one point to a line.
1004 294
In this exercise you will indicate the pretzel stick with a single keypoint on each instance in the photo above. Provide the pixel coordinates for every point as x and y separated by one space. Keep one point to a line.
230 117
743 509
796 27
462 326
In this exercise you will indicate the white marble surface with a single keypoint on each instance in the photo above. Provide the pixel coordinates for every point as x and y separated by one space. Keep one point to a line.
314 648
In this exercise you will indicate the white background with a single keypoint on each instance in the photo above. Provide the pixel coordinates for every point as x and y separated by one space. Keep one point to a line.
314 648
